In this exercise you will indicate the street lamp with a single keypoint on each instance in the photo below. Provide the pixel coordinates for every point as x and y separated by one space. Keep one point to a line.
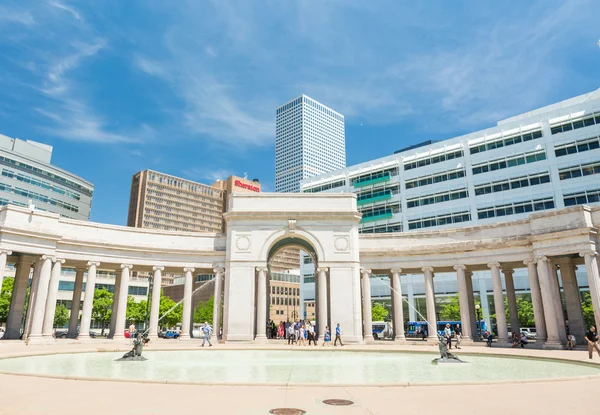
477 310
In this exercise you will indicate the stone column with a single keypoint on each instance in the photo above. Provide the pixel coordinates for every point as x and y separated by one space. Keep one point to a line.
115 305
511 295
17 301
48 327
471 301
261 305
33 288
88 301
485 304
573 299
75 303
536 299
155 303
367 313
499 303
463 299
186 318
321 311
119 333
557 302
39 307
553 340
398 306
430 304
593 275
217 302
412 315
3 256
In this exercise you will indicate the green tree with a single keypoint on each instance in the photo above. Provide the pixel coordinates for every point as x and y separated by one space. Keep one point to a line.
449 310
378 312
136 312
204 311
61 316
5 296
102 308
588 310
174 317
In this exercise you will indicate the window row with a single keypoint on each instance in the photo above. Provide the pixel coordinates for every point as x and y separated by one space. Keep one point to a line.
285 301
437 198
132 289
40 183
37 196
437 178
387 228
37 171
516 208
506 141
433 160
380 210
394 190
577 146
582 198
439 220
509 162
277 290
587 121
511 184
376 175
325 186
578 171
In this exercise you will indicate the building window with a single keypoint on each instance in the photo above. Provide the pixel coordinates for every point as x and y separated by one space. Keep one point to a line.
508 162
516 208
582 198
506 141
439 220
586 121
577 146
433 160
437 198
511 184
437 178
579 171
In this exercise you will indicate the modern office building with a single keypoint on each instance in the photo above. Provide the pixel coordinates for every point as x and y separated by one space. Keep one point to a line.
29 178
544 159
309 140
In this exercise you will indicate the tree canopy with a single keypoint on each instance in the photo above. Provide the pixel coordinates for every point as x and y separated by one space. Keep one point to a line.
174 317
449 310
204 311
379 312
102 307
5 295
61 316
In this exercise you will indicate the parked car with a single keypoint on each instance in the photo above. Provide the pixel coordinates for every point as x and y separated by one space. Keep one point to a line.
529 332
171 334
382 330
62 334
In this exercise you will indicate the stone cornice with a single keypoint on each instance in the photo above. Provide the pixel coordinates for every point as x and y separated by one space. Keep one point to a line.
130 248
298 216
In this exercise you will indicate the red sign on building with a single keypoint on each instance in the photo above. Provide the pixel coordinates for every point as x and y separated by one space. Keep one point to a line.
246 186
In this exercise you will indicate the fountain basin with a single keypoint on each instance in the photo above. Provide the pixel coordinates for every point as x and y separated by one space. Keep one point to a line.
296 367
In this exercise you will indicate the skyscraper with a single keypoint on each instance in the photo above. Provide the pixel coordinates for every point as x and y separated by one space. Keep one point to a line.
310 140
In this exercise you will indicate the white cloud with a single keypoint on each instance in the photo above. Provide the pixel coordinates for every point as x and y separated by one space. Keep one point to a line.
16 16
68 9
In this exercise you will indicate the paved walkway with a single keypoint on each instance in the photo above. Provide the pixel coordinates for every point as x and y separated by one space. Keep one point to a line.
36 395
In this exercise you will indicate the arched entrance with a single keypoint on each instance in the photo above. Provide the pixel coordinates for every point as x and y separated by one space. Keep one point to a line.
261 225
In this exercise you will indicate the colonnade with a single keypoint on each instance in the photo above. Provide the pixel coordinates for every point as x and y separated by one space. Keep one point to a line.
45 271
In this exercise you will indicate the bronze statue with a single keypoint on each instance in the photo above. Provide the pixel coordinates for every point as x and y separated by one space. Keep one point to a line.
445 355
135 354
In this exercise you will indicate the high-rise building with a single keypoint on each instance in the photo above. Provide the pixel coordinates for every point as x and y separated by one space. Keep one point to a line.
162 201
29 178
310 140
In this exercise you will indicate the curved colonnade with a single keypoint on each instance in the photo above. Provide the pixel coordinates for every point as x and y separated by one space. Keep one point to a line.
40 244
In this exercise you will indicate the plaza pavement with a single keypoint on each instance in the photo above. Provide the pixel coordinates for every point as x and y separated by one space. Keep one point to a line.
39 395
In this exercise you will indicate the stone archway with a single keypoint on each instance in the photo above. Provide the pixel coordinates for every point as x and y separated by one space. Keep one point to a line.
259 225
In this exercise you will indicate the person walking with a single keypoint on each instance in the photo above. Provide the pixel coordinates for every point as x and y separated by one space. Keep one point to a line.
592 341
458 334
311 334
338 335
296 331
448 335
281 331
207 330
301 340
327 337
290 334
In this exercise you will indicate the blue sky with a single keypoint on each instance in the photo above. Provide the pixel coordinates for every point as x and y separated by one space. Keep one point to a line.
190 88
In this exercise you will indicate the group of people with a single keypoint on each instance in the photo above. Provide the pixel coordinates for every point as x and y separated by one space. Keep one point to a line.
518 340
302 333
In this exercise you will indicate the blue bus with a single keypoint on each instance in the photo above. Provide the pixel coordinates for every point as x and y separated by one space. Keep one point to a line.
416 328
